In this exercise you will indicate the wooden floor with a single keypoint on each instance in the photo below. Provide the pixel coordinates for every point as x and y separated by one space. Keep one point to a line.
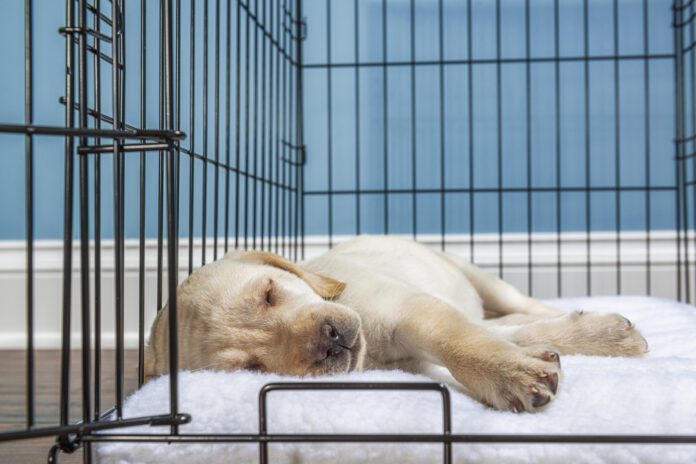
47 387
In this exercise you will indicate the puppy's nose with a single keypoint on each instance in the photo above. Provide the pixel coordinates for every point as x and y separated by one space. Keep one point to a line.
330 332
330 343
325 351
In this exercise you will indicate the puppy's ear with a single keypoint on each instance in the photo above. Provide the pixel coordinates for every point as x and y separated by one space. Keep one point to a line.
324 286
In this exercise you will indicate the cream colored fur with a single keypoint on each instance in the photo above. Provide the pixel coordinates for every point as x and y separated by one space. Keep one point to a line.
395 304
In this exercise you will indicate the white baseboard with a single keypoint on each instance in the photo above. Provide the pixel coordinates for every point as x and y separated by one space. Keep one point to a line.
545 251
52 340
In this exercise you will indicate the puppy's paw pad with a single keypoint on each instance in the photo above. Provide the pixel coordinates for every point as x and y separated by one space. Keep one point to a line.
550 380
534 384
540 398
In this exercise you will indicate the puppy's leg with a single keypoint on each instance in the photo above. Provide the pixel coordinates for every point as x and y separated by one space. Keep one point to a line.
490 368
433 370
516 319
500 298
539 325
577 333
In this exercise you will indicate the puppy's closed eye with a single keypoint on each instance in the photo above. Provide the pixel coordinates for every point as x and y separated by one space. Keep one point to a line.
254 366
270 294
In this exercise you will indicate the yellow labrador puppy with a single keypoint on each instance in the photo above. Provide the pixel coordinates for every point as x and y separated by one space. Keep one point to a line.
381 303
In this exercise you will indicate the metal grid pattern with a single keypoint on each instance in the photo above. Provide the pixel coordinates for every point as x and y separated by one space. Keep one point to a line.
456 107
228 155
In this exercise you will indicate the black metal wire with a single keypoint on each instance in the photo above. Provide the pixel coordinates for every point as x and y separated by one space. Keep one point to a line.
385 119
356 45
282 211
264 174
204 191
470 127
499 126
691 52
588 159
264 139
329 128
255 147
172 218
177 106
237 120
160 176
29 207
143 185
125 133
192 125
557 126
354 386
503 190
97 222
280 99
216 187
67 222
493 61
395 438
84 226
414 164
441 72
647 141
299 133
679 118
119 201
617 144
528 153
247 79
228 124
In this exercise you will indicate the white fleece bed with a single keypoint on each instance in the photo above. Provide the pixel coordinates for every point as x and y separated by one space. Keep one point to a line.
656 394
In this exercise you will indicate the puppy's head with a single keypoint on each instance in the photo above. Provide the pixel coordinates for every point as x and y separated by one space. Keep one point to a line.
256 310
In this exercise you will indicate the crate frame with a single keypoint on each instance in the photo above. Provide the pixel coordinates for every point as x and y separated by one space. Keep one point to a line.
91 132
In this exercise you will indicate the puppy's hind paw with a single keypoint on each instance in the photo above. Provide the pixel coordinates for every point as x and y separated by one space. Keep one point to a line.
608 335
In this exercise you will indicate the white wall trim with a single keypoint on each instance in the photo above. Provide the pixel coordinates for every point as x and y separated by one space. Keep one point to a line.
603 253
603 245
52 340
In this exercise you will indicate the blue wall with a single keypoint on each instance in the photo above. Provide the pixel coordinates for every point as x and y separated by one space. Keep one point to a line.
49 68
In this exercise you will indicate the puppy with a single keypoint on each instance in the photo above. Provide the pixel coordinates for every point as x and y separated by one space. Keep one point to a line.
381 303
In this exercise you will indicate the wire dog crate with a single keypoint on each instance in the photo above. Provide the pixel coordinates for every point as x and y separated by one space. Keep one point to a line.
264 124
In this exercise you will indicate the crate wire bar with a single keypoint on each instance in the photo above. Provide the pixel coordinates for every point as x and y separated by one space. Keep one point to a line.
248 152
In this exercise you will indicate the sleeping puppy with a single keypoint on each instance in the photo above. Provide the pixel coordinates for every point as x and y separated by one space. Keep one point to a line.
381 303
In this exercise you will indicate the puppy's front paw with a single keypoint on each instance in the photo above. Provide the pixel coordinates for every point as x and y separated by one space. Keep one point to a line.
527 382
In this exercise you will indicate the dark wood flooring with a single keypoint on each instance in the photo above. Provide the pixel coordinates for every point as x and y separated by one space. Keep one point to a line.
47 406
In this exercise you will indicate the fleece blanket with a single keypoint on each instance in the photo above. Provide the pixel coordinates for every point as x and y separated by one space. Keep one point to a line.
656 394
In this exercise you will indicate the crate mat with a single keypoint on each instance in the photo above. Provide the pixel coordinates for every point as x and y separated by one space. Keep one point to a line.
656 394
